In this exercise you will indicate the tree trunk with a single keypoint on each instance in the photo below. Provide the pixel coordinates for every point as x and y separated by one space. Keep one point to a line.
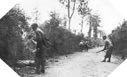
90 30
69 24
95 32
69 13
82 24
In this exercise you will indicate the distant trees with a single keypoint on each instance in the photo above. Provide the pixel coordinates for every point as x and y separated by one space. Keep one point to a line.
70 9
63 40
94 23
83 11
101 33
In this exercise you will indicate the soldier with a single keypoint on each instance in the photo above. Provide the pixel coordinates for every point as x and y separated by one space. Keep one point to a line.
84 45
108 47
40 48
81 44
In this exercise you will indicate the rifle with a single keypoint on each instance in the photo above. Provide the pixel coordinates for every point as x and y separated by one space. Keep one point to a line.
100 51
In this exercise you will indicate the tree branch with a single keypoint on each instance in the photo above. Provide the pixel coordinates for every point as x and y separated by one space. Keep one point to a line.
73 9
69 9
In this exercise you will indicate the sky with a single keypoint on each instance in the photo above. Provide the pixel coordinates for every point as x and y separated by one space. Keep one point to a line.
110 17
111 12
106 9
6 5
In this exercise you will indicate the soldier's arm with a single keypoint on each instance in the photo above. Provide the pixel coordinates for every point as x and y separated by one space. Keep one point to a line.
106 44
105 47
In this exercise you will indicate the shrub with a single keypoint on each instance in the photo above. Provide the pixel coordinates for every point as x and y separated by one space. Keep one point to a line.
119 38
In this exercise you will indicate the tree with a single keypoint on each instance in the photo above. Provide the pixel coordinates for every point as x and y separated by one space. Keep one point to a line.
119 38
55 19
36 14
70 8
83 10
90 25
101 32
94 21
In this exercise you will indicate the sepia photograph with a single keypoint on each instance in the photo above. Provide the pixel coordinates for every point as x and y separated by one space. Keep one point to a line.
63 38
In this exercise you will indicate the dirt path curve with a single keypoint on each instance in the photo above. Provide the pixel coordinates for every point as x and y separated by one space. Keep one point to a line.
81 64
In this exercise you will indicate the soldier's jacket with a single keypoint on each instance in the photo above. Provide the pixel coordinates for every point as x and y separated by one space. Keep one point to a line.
108 44
40 39
41 43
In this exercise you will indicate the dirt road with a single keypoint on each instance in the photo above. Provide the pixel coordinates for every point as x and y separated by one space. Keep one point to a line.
81 64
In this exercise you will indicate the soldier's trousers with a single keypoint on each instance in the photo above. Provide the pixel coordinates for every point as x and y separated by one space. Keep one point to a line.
40 62
108 53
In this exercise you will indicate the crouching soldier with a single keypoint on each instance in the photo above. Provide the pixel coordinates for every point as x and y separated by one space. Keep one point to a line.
40 49
86 46
83 45
108 47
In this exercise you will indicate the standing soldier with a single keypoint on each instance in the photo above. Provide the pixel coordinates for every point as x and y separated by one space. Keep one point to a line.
108 47
40 48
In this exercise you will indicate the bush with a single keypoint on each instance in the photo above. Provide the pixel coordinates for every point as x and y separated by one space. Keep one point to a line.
119 38
95 42
11 46
64 41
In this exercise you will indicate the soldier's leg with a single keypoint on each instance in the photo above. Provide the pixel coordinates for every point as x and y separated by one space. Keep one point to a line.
43 65
42 60
37 63
109 59
110 53
104 59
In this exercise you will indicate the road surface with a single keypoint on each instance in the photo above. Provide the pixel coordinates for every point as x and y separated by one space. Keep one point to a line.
81 64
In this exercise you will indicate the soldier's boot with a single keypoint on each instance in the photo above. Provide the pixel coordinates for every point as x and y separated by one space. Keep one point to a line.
43 66
42 69
104 60
109 60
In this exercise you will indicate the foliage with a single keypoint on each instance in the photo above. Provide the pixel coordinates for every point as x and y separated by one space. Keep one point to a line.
11 26
119 38
95 42
70 8
83 10
63 40
94 21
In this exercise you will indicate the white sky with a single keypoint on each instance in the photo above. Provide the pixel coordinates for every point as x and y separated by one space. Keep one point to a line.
109 15
6 5
110 11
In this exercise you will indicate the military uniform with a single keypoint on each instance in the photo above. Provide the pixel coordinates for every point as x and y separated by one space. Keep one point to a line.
40 53
109 48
